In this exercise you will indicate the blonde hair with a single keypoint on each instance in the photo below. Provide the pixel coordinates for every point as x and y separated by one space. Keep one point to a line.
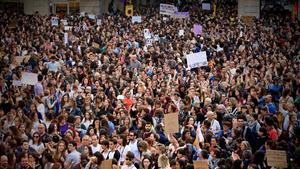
163 161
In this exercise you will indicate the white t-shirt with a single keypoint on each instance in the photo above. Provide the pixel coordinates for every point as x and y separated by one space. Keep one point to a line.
96 148
128 167
123 151
134 148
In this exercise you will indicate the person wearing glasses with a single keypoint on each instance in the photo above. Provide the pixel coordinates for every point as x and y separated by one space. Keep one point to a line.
73 158
129 164
133 142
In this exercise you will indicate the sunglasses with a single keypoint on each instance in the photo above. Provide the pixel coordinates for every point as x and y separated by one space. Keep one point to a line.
129 159
36 136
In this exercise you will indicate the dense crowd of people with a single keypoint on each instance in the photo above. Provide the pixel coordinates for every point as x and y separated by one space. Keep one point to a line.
104 94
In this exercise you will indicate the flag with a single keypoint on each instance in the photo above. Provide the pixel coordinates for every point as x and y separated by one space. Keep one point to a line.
129 10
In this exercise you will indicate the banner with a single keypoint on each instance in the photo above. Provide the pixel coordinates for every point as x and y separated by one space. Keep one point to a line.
137 19
181 15
195 60
167 9
129 10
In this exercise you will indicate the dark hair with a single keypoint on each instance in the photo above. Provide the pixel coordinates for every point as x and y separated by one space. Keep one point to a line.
100 157
205 154
130 155
73 143
40 77
182 163
150 159
264 131
48 157
105 142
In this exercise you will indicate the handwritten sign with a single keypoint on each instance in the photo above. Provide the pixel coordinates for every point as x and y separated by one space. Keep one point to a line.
200 164
171 123
136 19
29 78
196 59
277 158
106 164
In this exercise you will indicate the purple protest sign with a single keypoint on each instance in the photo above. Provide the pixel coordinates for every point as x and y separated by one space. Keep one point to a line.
181 15
197 29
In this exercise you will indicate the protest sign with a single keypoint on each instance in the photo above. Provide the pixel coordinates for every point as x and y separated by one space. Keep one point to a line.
92 16
149 42
200 164
106 164
171 123
206 6
129 10
17 83
54 21
196 59
65 22
67 28
82 14
181 32
95 45
276 158
20 59
137 19
181 15
66 38
197 29
167 9
12 24
29 78
98 21
248 20
147 34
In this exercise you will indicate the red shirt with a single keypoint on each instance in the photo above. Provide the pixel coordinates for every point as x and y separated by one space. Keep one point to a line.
273 135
